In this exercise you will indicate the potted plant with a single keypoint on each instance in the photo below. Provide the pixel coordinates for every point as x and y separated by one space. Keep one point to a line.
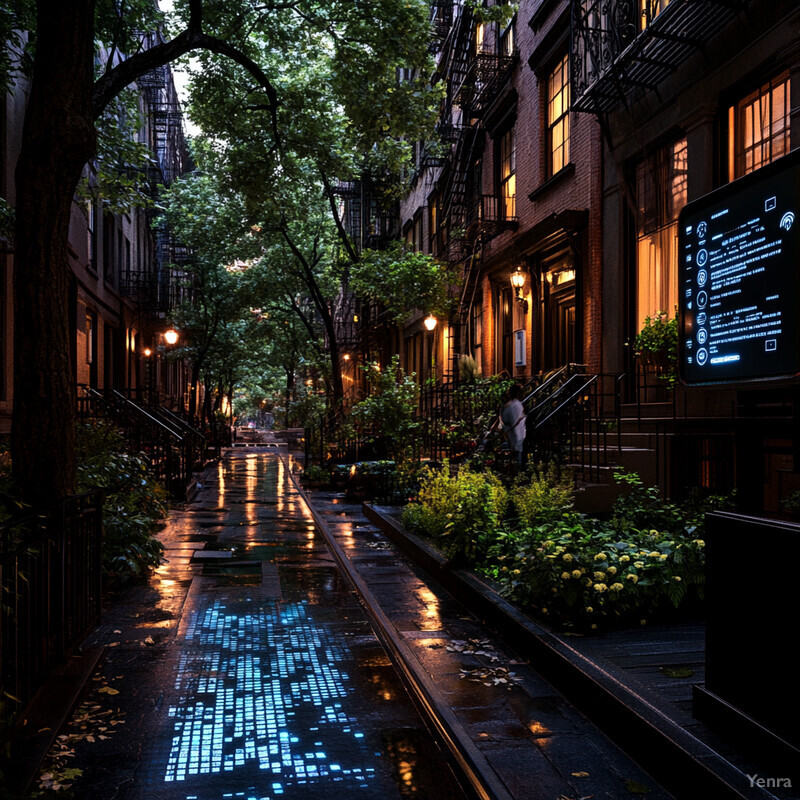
656 345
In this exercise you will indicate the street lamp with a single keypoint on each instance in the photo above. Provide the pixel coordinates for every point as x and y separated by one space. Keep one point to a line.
430 322
518 282
171 336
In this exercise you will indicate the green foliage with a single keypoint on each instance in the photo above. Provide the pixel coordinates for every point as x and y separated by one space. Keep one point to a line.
581 573
133 504
645 563
402 281
468 369
641 507
501 13
461 512
542 493
119 178
657 344
316 474
389 409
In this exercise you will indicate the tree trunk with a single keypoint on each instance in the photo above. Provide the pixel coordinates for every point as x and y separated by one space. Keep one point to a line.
58 140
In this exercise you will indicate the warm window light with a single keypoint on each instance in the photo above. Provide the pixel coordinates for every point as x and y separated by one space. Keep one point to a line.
147 352
171 336
430 322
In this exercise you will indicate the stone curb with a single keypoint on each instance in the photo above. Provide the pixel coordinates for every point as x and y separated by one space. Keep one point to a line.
476 773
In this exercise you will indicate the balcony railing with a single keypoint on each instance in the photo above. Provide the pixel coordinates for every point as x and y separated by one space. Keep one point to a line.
624 47
489 215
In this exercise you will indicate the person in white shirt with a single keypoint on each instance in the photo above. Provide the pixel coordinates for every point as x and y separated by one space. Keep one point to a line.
512 416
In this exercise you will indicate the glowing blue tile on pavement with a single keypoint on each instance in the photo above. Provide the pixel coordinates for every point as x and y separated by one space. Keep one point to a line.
241 680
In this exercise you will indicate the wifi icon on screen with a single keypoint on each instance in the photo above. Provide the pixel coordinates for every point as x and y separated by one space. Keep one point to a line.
787 220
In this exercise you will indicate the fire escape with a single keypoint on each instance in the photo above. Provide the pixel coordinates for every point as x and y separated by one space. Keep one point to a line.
368 225
623 48
476 72
159 286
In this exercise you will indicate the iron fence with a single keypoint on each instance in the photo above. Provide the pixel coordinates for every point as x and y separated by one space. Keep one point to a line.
50 584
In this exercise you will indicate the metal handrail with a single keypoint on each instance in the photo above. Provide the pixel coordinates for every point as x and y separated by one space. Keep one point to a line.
139 410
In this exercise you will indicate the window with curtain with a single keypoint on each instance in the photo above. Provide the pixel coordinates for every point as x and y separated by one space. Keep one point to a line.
661 188
758 127
558 117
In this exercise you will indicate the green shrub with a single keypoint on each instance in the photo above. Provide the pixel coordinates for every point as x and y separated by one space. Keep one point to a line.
461 512
389 410
134 501
316 474
542 493
657 344
578 572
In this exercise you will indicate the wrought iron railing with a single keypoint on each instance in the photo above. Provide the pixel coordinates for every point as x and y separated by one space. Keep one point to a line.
50 587
620 47
172 455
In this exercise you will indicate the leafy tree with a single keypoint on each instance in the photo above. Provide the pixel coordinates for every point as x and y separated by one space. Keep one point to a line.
357 46
402 281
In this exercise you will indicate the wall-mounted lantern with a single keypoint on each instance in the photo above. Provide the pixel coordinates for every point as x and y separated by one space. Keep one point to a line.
430 322
518 282
171 336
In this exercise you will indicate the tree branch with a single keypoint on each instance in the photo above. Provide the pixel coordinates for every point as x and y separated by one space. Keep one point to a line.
345 239
113 82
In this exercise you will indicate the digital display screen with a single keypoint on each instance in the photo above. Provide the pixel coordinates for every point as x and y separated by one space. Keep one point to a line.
739 279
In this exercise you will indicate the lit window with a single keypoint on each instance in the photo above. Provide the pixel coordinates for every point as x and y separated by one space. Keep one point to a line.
558 116
758 127
661 183
480 36
508 177
650 9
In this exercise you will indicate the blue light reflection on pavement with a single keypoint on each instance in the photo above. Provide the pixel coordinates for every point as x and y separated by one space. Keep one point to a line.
261 690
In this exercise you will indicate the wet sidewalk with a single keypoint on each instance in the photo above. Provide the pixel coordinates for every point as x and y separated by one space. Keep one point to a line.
249 668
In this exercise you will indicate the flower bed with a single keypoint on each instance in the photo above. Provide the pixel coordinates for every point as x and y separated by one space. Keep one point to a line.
645 563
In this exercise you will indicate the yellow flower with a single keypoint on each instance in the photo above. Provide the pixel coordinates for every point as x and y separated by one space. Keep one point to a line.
612 570
548 543
676 578
638 564
567 557
699 542
643 622
653 532
600 557
663 556
632 578
515 572
617 587
589 610
600 587
576 573
565 576
594 626
624 559
654 554
599 576
544 611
